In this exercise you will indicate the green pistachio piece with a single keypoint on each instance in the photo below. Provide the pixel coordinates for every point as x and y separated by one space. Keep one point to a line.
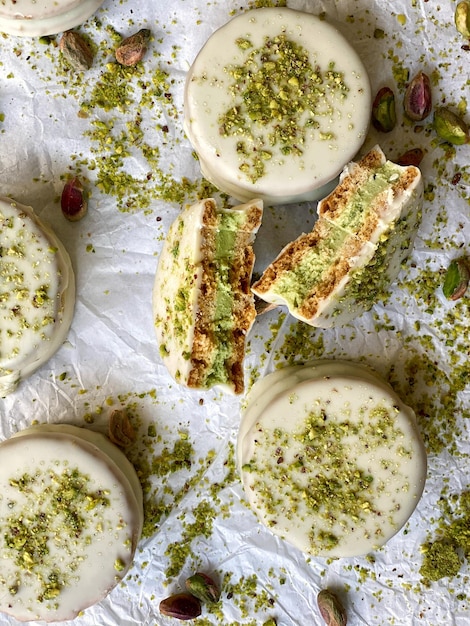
450 127
462 18
203 587
457 279
331 609
383 110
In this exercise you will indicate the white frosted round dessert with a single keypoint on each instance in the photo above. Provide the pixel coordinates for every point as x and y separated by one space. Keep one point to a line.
37 293
276 103
71 515
32 18
330 458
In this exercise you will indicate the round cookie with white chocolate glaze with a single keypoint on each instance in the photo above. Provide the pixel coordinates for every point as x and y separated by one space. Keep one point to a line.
71 515
31 18
37 293
276 103
330 458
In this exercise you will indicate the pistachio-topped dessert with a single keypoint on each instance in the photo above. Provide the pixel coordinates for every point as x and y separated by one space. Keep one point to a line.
344 472
202 303
276 102
71 515
365 230
31 18
37 293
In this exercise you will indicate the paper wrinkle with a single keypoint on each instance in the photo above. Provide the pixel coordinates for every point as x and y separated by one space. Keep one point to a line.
111 359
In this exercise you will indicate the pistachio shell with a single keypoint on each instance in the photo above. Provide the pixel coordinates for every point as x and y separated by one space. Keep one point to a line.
120 429
331 609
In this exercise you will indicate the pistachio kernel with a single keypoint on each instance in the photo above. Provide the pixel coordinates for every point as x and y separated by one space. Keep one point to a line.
462 18
414 156
73 201
132 49
182 606
418 98
457 279
203 587
76 51
384 116
331 609
450 127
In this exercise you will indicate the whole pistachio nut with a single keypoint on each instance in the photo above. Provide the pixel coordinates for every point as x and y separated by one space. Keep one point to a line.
383 110
450 127
132 49
418 98
76 51
203 587
331 609
414 156
74 201
182 606
462 18
457 278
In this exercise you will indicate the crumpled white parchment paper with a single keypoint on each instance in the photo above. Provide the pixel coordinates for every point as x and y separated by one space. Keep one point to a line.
111 359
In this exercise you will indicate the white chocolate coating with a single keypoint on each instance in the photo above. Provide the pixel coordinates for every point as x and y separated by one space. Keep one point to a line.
71 515
37 293
330 128
32 18
330 458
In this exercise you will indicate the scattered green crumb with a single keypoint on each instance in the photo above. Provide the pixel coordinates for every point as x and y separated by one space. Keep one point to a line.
443 556
441 560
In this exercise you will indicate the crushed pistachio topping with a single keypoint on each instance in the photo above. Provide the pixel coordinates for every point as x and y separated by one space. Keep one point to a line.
280 99
69 511
28 282
324 478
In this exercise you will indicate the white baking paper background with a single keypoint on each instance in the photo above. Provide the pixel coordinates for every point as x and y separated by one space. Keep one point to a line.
417 339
